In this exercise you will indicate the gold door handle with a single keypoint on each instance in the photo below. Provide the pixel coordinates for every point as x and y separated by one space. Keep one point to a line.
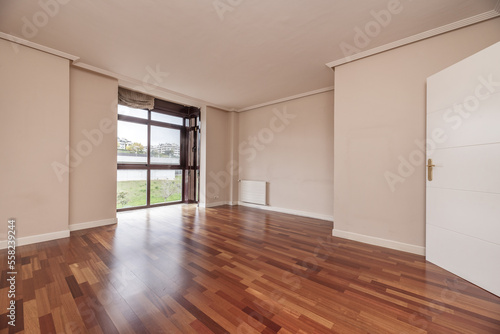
429 169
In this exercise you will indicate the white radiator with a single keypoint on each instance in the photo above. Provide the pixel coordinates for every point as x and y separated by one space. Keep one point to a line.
253 192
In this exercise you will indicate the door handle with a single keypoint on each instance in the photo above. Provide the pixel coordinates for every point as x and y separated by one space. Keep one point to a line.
429 169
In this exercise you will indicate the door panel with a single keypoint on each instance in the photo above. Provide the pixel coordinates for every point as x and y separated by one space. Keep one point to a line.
468 257
470 213
463 141
474 168
474 71
469 128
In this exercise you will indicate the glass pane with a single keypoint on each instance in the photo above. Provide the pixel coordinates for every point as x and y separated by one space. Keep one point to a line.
132 143
156 116
191 148
165 146
127 111
131 188
166 186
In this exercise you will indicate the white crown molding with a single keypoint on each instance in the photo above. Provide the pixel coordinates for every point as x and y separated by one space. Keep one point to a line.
123 80
32 239
419 250
92 224
151 89
176 97
36 46
418 37
289 98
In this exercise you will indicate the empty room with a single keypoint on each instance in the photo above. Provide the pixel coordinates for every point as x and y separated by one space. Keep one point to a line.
250 166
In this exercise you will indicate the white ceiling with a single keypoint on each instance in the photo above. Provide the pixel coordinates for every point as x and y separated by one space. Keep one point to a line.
255 51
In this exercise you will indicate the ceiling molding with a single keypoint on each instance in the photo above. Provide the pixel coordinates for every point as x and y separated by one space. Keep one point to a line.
36 46
123 80
150 89
289 98
418 37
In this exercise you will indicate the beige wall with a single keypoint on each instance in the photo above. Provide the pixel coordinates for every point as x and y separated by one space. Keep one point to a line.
290 145
34 132
233 167
218 156
92 181
379 116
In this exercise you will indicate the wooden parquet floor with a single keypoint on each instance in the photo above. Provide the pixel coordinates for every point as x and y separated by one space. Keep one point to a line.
180 269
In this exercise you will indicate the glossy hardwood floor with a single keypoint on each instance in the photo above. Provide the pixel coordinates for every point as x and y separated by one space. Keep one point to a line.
180 269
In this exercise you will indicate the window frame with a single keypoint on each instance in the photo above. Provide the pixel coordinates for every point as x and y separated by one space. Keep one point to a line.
148 166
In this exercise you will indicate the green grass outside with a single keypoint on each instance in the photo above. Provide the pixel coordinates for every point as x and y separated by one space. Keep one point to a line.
136 193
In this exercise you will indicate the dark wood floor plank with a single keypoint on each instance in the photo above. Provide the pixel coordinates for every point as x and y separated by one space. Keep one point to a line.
74 287
200 315
47 324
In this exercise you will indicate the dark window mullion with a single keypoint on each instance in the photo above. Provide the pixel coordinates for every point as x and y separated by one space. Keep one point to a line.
132 119
166 125
132 166
148 184
195 156
165 167
183 160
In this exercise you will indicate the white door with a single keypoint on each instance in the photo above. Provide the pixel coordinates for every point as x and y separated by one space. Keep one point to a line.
463 141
